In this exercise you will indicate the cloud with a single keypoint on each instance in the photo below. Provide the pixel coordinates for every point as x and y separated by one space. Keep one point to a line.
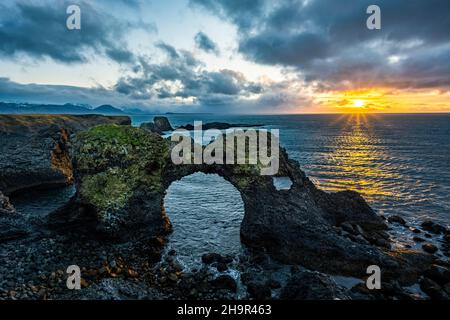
203 42
38 29
327 41
181 77
41 93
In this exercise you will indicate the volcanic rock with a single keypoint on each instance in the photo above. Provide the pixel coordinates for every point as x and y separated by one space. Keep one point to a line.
307 285
34 149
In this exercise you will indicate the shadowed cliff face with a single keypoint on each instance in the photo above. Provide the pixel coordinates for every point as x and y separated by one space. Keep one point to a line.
34 148
122 174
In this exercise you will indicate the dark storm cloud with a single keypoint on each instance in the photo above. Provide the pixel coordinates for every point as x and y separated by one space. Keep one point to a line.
183 76
327 40
202 41
38 29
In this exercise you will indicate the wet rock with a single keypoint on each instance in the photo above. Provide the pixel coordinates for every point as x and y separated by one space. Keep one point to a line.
177 266
418 239
5 206
382 243
433 227
433 290
446 238
209 258
396 219
162 124
347 227
159 125
307 285
226 259
220 126
447 289
274 284
415 230
430 248
172 277
259 291
221 267
225 282
439 274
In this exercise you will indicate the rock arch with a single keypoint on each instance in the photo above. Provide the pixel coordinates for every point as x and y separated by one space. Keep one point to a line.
122 173
206 213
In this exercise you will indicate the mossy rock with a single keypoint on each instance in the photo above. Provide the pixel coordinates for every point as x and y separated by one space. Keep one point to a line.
114 164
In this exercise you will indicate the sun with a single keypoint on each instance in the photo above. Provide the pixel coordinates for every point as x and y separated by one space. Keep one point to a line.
358 103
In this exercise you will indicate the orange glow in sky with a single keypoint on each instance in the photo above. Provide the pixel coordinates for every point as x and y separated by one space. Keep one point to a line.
383 100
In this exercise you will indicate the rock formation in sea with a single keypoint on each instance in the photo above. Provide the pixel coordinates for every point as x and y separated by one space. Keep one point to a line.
220 126
159 125
122 174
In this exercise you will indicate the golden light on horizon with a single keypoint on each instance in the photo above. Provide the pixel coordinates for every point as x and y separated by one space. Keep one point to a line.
354 101
383 100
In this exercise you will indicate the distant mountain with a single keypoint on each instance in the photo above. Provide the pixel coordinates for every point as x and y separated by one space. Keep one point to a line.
107 109
68 108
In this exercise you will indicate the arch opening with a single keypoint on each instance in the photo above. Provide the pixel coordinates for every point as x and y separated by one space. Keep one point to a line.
206 213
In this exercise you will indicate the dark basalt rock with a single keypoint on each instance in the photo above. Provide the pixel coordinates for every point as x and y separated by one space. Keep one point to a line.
439 274
5 206
224 282
396 219
430 248
259 291
162 124
220 126
307 285
433 290
33 149
159 125
433 227
209 258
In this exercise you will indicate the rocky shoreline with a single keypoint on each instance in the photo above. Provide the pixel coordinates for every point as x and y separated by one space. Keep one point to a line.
115 226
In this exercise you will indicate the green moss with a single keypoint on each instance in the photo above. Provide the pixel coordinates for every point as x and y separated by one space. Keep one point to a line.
108 190
113 162
107 146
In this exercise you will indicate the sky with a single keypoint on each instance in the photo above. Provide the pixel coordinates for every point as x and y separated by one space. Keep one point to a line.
229 56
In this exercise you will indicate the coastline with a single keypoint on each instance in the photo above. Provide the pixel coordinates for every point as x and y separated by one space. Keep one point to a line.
117 264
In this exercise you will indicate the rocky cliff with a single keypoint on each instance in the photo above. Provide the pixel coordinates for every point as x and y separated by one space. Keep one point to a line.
33 149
